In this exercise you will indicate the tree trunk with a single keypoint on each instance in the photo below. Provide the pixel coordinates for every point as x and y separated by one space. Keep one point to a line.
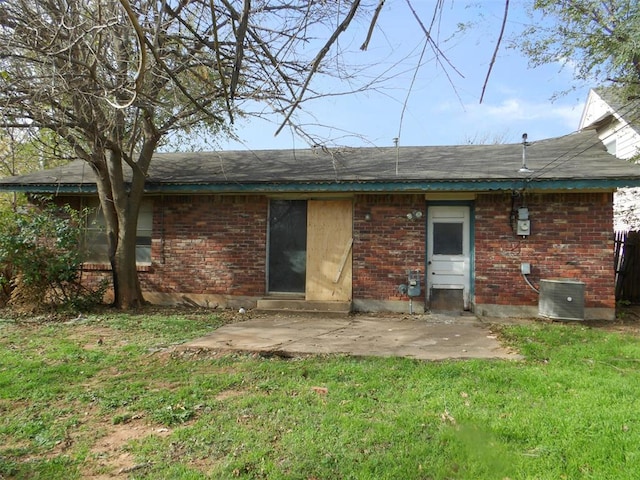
127 290
120 201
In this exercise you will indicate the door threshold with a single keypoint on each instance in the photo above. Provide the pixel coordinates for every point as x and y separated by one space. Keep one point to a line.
292 296
300 305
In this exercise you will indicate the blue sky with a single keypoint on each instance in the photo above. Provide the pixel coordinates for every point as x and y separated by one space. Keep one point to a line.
443 107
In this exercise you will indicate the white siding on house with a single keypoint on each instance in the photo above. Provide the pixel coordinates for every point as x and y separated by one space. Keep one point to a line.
623 141
595 109
611 126
628 142
620 140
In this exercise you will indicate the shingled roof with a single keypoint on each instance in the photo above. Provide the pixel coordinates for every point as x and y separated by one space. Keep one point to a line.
575 161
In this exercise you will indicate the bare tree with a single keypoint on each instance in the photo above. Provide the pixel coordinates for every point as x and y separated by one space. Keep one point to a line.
114 79
486 138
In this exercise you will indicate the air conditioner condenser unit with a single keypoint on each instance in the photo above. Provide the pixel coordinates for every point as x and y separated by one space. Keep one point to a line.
561 299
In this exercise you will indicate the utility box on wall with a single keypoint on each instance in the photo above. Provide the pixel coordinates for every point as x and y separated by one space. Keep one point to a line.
523 225
561 299
413 278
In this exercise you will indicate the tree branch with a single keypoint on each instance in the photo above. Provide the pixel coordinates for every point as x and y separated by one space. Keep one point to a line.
495 51
216 49
240 36
319 57
374 20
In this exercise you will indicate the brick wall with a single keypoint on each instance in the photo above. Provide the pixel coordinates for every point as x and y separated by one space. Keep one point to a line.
217 245
572 238
386 244
208 245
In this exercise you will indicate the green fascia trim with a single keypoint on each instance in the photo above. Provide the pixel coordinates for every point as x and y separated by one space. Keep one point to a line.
348 186
51 189
407 186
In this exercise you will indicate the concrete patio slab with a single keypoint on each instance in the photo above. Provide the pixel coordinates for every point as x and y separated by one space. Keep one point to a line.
424 337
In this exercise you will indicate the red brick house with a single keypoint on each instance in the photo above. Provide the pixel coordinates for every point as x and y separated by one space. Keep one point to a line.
472 226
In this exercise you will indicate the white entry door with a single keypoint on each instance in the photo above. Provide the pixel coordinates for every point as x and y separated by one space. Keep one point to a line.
448 253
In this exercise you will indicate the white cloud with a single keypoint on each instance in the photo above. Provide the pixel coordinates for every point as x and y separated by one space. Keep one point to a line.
519 109
505 120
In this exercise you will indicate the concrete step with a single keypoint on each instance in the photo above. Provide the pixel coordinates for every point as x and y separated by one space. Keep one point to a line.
298 306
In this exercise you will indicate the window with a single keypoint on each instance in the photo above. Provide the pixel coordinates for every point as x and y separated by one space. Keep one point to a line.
611 146
95 239
447 238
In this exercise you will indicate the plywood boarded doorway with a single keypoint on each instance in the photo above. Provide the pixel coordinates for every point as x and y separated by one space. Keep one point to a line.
329 250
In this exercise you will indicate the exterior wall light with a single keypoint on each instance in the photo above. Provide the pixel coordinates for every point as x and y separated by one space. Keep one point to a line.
415 215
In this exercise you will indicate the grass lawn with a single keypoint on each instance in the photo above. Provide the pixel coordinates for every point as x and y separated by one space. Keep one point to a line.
103 397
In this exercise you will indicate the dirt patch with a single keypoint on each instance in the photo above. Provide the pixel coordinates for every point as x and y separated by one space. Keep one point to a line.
93 337
623 327
109 453
227 394
627 321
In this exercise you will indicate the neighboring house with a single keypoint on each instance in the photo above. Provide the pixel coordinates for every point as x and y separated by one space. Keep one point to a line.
350 226
617 123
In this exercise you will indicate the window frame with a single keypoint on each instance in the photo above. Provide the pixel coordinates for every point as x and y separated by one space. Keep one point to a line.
94 236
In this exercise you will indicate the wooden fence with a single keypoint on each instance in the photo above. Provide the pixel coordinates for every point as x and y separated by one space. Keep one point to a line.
627 266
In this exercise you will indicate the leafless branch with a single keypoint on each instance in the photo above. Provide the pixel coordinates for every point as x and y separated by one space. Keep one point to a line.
217 51
139 75
316 63
431 40
374 20
495 51
241 33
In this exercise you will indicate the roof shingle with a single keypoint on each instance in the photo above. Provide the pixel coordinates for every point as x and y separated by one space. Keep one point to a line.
578 160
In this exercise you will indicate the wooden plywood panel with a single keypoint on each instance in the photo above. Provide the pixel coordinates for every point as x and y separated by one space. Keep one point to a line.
329 257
